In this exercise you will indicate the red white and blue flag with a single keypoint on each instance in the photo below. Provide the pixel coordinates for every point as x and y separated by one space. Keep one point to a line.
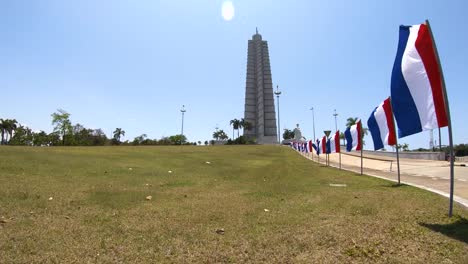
333 143
310 147
416 87
316 146
381 125
353 135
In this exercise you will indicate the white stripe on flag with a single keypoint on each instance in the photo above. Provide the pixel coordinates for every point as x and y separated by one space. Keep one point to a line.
381 119
418 83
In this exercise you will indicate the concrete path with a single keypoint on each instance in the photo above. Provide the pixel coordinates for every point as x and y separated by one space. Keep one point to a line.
426 174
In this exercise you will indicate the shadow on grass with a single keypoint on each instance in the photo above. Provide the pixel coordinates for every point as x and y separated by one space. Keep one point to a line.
396 185
457 230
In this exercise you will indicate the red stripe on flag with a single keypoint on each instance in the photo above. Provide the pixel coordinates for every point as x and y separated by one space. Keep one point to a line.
324 144
337 141
359 128
425 48
390 124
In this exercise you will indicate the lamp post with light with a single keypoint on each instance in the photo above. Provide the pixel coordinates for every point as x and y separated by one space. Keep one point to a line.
182 110
277 93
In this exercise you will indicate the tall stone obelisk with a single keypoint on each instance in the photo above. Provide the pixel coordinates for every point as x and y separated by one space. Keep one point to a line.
259 101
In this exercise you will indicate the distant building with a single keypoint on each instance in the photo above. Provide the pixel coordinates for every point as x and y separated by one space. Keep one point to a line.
259 101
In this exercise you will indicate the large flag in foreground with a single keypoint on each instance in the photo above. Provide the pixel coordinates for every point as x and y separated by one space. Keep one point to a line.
333 143
416 84
353 137
381 125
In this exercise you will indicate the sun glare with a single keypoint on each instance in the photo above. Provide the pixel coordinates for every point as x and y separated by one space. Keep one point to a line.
227 10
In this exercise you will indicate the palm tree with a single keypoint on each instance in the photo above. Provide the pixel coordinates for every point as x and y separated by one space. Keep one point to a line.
235 126
12 127
3 126
245 124
222 135
7 127
118 132
351 121
216 135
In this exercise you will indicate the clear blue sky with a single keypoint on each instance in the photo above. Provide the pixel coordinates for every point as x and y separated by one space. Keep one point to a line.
132 64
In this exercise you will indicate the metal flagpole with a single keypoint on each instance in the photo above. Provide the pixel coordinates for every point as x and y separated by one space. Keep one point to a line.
362 145
440 141
396 142
340 158
447 109
339 146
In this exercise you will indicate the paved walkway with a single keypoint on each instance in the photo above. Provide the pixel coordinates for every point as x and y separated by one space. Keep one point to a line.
426 174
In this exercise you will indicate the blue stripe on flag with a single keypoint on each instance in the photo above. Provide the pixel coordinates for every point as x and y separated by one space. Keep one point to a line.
349 139
404 108
375 131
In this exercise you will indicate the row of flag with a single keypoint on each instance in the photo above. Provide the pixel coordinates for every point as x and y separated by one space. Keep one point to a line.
417 97
331 144
418 100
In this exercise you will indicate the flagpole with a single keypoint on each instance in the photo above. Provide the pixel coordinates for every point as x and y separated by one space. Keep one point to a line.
340 159
362 145
447 109
339 146
396 141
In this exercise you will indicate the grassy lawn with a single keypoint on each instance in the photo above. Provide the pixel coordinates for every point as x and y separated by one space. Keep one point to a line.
87 204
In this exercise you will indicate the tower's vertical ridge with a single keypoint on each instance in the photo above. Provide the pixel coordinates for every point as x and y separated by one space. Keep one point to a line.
259 100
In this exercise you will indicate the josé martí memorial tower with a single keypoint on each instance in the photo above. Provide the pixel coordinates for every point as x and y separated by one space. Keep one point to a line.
259 101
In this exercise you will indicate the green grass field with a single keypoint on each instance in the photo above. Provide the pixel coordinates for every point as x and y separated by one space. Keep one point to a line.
98 211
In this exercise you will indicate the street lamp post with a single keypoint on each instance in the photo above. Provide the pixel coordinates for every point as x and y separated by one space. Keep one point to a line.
277 93
335 114
313 121
182 110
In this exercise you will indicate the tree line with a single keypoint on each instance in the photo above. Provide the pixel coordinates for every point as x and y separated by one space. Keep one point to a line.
67 134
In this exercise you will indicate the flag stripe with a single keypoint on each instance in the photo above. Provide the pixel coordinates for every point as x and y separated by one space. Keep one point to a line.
426 50
404 108
337 141
416 78
381 118
375 131
391 139
359 135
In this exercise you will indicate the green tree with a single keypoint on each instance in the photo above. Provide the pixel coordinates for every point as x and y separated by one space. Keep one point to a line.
404 146
216 135
40 139
3 126
138 140
222 135
54 139
177 139
246 125
7 127
118 133
288 134
62 124
23 136
235 123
